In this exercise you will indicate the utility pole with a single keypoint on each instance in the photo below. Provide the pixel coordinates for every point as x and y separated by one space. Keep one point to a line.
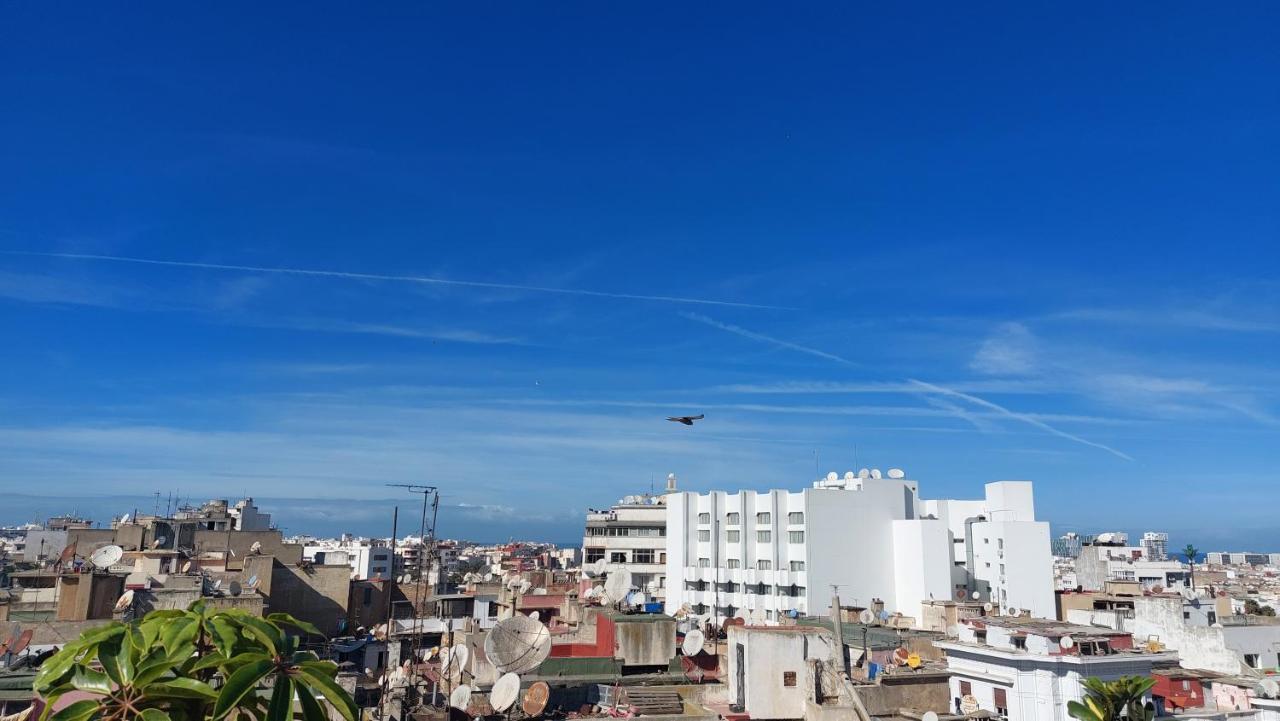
426 556
838 625
391 586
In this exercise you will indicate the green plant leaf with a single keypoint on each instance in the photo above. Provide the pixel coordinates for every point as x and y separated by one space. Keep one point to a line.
56 668
281 708
182 688
315 676
242 682
153 714
86 679
178 632
311 708
78 711
224 635
264 633
284 619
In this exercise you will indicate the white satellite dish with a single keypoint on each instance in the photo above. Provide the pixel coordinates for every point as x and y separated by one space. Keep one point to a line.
461 654
106 557
1270 688
446 654
217 584
866 616
235 588
1067 643
488 577
1014 611
124 602
535 616
929 716
159 541
897 473
875 473
975 595
618 584
495 570
635 598
600 567
525 585
460 698
517 645
693 641
253 582
504 692
864 473
255 547
987 607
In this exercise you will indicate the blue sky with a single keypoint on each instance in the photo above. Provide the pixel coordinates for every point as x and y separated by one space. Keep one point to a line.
977 242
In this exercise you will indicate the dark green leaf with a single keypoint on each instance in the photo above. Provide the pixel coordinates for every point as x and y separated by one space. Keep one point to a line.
78 711
54 670
182 688
311 708
224 635
284 619
86 679
242 682
153 714
178 632
265 633
281 708
316 676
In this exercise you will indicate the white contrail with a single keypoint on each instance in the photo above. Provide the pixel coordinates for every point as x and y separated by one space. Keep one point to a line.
767 339
392 278
929 387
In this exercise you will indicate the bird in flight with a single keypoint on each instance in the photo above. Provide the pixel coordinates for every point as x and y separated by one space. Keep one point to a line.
687 420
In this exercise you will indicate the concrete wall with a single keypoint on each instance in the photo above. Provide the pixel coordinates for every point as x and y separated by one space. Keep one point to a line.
645 642
241 541
317 594
1201 647
922 559
770 658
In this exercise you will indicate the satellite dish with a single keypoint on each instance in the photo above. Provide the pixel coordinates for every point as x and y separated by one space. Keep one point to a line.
987 607
460 698
913 660
900 656
600 567
186 567
618 584
535 616
975 595
461 654
106 557
487 578
234 588
875 473
1271 688
693 641
928 715
1015 611
517 645
866 616
253 582
960 593
536 698
504 693
255 547
635 598
124 602
884 616
380 632
1067 643
217 584
968 704
897 473
446 655
24 640
67 554
159 541
525 585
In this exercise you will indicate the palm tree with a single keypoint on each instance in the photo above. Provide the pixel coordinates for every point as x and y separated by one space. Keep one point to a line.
1112 700
1191 552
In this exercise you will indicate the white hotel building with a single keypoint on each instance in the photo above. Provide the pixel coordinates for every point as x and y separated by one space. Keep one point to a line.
781 551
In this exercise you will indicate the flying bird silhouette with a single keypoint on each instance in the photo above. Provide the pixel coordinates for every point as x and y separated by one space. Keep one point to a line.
687 420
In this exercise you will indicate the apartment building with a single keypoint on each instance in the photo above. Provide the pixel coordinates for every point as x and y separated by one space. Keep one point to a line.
766 555
632 535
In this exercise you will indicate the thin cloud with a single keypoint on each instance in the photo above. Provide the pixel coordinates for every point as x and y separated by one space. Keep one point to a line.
766 339
889 387
425 280
1016 416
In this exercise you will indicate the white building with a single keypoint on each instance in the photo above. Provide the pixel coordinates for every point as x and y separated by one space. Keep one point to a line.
632 534
1156 545
780 552
248 517
369 560
1022 670
1098 564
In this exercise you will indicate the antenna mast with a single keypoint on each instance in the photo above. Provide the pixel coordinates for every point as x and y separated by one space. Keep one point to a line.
426 557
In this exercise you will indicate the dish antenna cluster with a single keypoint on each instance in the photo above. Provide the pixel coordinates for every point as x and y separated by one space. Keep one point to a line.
517 645
505 691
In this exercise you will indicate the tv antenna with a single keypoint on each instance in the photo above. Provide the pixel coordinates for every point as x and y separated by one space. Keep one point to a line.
426 556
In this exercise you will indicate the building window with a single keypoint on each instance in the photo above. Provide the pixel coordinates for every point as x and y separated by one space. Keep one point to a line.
763 589
734 563
795 536
1000 545
618 557
704 518
788 678
1002 569
662 557
1002 702
1186 615
1213 617
594 554
763 565
642 555
704 563
704 535
764 536
797 565
966 689
795 518
733 536
1251 660
734 519
764 518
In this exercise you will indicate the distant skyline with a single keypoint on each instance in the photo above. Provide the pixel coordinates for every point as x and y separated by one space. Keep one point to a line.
301 251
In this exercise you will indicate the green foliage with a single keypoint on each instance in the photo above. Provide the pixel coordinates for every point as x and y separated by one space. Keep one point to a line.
1191 552
1253 608
161 668
1112 700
